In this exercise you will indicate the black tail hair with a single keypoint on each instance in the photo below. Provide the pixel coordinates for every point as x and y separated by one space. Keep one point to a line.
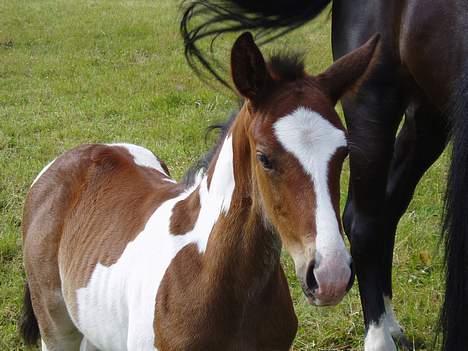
454 315
269 18
29 329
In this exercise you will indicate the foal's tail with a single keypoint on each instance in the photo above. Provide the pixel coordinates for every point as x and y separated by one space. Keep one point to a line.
269 18
29 329
454 315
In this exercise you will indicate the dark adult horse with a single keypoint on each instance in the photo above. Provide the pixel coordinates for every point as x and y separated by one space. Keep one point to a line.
422 74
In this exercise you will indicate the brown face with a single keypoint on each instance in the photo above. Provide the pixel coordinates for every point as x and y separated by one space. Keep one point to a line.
298 145
297 164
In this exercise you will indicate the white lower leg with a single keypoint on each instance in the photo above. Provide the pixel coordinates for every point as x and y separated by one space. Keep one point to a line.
390 319
378 337
43 345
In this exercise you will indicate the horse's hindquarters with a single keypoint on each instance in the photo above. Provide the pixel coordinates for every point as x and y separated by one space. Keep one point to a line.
79 214
45 209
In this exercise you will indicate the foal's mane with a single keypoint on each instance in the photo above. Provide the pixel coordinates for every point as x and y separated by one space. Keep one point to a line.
285 67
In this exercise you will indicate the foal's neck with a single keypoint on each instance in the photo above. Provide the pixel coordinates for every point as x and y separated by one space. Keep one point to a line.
242 251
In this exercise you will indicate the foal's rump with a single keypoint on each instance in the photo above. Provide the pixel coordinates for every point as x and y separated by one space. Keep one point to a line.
82 211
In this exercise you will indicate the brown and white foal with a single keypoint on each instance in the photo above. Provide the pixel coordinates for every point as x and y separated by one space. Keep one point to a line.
119 256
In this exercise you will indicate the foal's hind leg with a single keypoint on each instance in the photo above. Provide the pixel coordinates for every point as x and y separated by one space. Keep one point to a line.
420 142
57 329
42 222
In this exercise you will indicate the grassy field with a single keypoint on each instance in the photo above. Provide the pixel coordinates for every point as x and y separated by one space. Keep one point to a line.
80 71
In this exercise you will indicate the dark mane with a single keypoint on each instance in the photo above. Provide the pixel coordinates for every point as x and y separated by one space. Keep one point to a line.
203 162
287 66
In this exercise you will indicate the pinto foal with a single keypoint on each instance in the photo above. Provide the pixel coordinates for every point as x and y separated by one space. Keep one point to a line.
119 256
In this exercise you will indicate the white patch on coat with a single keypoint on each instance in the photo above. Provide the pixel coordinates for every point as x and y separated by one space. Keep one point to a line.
313 141
42 172
390 319
143 157
378 337
43 346
117 308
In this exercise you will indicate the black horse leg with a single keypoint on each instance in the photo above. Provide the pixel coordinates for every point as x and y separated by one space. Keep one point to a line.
420 142
372 118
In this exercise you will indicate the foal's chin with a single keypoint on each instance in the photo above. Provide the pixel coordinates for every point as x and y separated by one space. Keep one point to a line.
322 301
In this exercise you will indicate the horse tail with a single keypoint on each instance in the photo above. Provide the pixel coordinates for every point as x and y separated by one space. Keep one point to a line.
29 329
454 315
269 18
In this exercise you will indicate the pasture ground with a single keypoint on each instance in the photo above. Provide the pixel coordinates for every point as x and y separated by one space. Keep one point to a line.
83 71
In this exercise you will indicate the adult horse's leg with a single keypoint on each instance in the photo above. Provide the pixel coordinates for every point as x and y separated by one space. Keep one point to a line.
372 233
420 142
372 117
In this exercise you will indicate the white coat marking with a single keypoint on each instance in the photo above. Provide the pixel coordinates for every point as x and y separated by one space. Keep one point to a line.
143 157
313 141
378 337
117 307
43 346
42 172
390 319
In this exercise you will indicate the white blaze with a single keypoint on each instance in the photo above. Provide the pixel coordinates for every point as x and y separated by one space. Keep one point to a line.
313 140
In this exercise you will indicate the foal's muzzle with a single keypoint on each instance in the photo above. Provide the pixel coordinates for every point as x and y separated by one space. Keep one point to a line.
327 285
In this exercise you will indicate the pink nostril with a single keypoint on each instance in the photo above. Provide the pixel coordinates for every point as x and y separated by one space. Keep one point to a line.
330 281
311 281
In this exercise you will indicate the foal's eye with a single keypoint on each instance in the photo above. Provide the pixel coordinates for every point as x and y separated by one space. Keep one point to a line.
264 160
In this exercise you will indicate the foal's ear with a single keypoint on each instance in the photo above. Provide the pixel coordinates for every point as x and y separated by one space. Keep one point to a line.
248 68
345 72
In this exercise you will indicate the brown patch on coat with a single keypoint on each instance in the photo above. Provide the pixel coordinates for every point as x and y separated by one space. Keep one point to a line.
283 193
193 313
185 214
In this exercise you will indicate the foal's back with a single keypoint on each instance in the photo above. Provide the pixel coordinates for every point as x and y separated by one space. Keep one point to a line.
82 211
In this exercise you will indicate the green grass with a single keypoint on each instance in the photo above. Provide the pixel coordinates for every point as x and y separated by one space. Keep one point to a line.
81 71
